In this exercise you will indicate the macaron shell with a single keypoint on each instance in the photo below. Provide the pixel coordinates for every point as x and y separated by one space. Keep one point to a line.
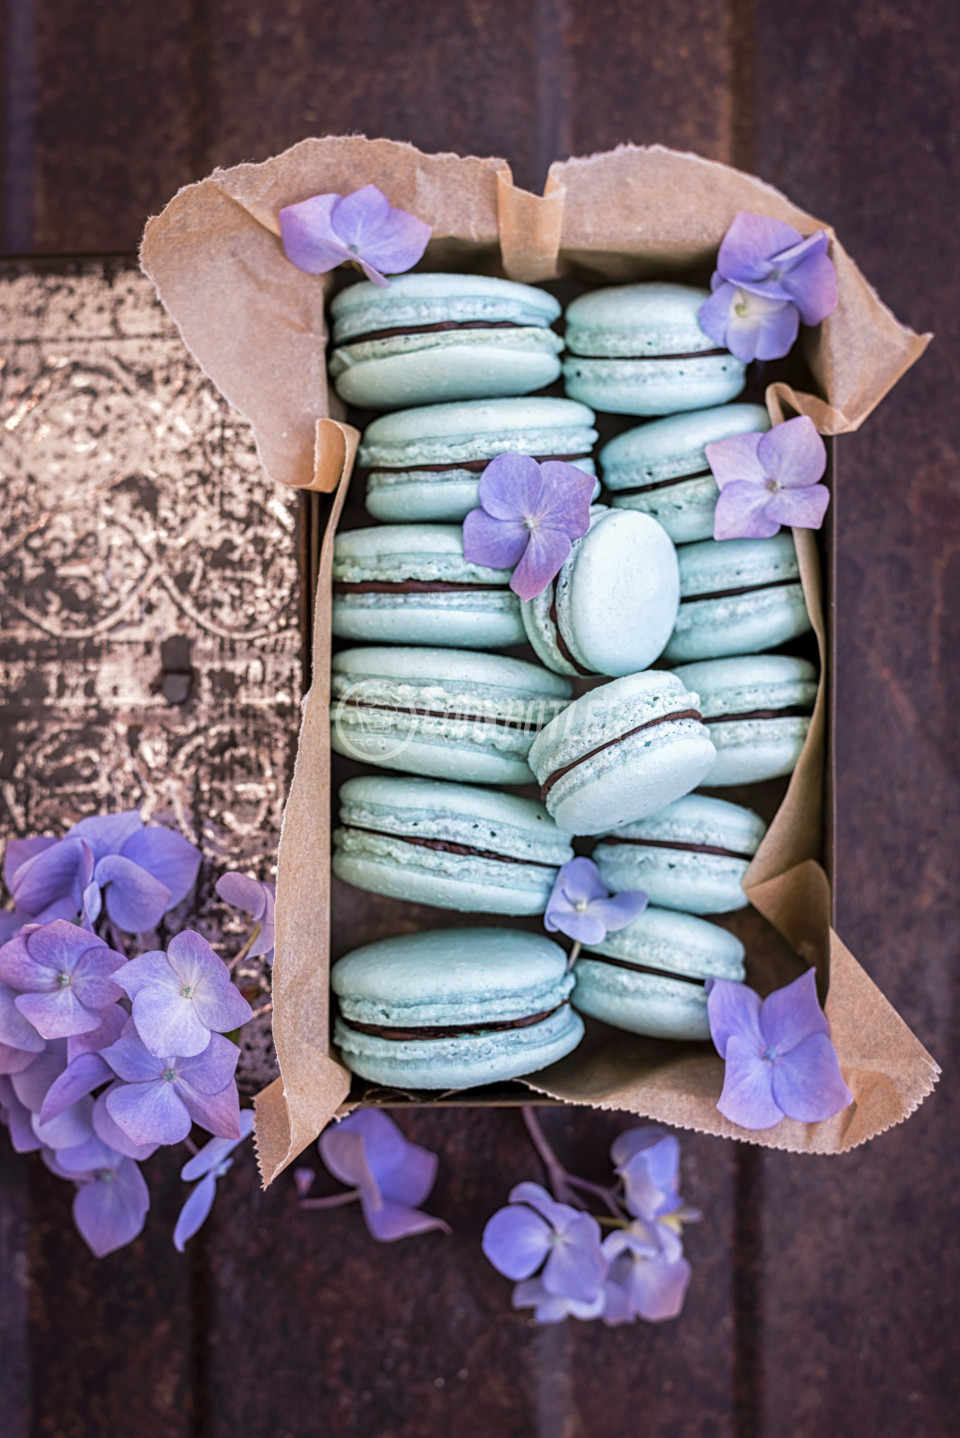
445 881
685 509
461 619
418 299
676 446
467 1061
448 434
738 624
674 878
650 318
406 496
750 751
755 681
453 365
653 386
642 1003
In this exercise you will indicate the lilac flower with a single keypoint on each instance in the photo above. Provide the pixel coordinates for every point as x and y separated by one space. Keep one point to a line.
63 975
768 278
391 1175
528 517
255 897
181 995
580 907
778 1054
112 1197
161 1098
767 480
209 1164
652 1282
328 230
535 1227
47 877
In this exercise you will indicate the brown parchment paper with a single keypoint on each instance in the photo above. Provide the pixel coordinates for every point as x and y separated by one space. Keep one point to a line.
256 325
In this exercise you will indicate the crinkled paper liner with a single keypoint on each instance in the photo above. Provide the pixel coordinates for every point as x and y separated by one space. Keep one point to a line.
256 326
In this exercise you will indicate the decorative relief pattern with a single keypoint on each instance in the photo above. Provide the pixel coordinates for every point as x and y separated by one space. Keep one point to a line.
149 648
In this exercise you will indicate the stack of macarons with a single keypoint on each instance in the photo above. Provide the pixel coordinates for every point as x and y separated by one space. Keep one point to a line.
452 727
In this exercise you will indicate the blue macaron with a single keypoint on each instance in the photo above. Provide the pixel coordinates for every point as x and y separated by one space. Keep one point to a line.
649 978
738 596
426 463
451 845
757 708
433 337
639 349
613 605
621 751
442 713
692 855
661 468
410 584
454 1008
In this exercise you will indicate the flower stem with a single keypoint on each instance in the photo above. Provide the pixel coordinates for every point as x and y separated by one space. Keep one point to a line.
556 1173
254 936
334 1200
573 955
263 1009
606 1195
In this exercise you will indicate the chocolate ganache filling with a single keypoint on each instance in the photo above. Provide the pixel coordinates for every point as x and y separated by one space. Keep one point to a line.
449 848
744 589
665 483
440 326
476 466
409 586
674 844
562 645
650 724
797 712
450 1031
687 355
642 968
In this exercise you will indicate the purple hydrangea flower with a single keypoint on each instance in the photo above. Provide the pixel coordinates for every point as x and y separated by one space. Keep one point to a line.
111 1134
209 1164
391 1175
161 1098
768 278
329 230
255 897
112 1020
555 1307
86 1073
182 995
47 877
580 907
534 1227
652 1283
112 1198
766 480
529 515
778 1054
63 975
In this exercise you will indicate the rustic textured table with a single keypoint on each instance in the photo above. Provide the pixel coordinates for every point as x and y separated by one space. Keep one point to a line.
151 654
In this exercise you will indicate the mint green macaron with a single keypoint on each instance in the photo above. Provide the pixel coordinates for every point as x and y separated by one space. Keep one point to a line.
639 349
661 468
435 337
426 463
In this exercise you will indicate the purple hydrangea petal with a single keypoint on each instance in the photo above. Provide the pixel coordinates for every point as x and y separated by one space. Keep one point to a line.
194 1213
800 508
792 1013
242 892
576 1266
511 487
134 899
620 909
541 561
404 1172
581 925
92 979
61 948
308 238
147 971
733 1008
107 833
616 1304
18 1119
750 244
13 1060
496 543
211 1071
736 458
110 1209
91 905
657 1287
760 328
58 1014
344 1153
812 286
713 315
551 1307
793 453
389 240
390 1221
112 1019
18 851
747 1097
807 1082
650 1177
16 1031
108 1132
10 924
789 259
218 1113
51 883
222 1008
78 1079
130 1059
82 1158
68 1128
150 1112
169 1023
216 1150
30 1086
516 1241
565 499
579 881
167 856
742 512
535 1196
17 968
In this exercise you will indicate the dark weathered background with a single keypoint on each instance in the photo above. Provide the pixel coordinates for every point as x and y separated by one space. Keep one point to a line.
823 1296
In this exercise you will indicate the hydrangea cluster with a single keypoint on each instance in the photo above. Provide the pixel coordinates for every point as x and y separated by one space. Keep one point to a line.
105 1058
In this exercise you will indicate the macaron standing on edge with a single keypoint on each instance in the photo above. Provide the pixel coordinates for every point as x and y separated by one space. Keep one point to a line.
621 751
614 982
434 337
612 607
426 463
737 596
410 584
451 845
661 468
692 855
639 349
442 713
454 1008
757 708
